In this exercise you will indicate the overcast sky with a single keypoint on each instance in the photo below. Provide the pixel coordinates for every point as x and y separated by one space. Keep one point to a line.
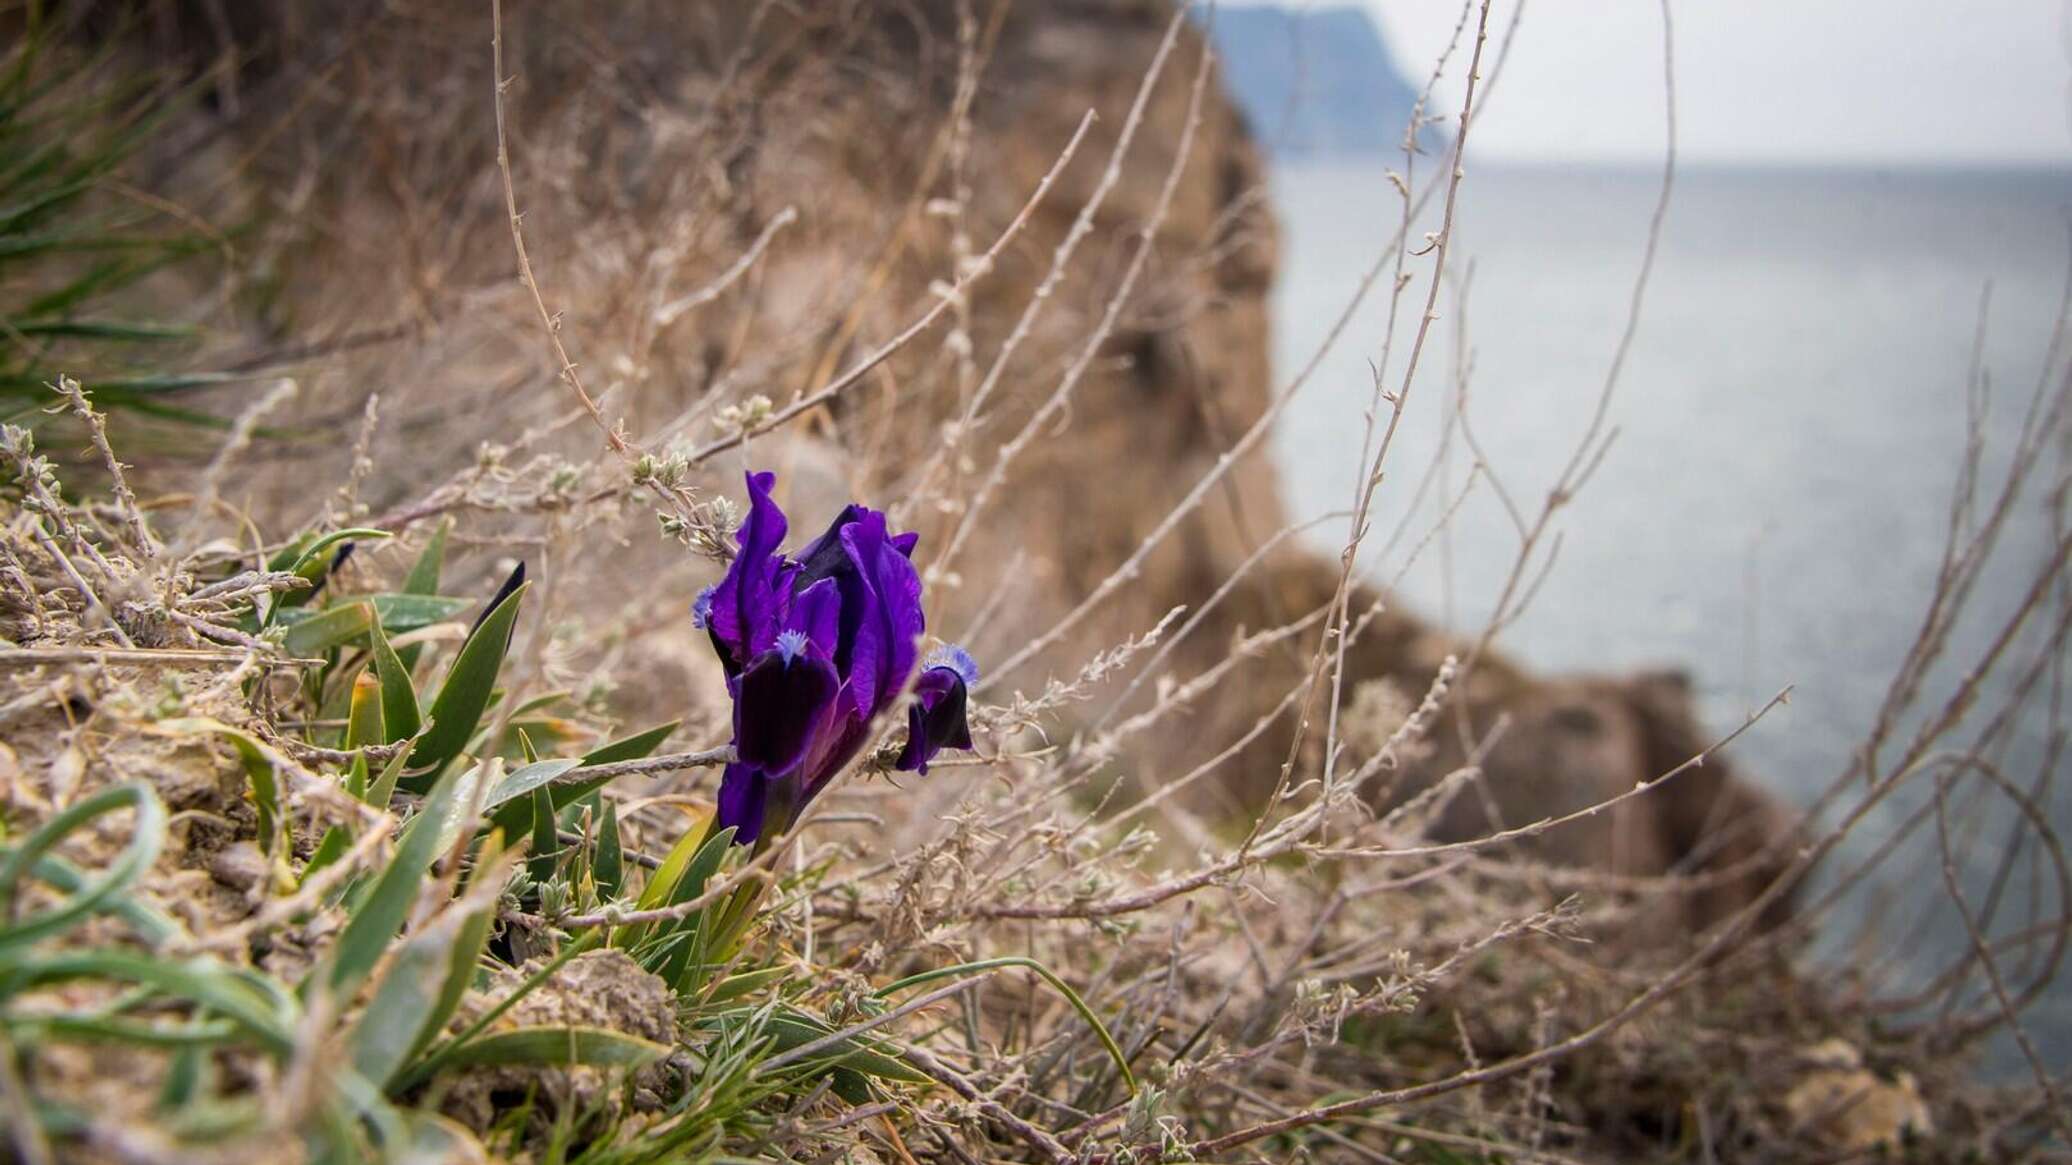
1769 80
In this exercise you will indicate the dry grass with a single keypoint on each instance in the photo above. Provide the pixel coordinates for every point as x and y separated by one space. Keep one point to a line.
1218 786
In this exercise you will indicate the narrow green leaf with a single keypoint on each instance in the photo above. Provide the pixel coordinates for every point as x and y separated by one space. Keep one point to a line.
404 1002
791 1028
291 554
378 916
309 637
794 1029
461 813
560 1046
546 847
608 870
735 986
469 943
147 836
262 772
186 1076
330 848
153 927
315 556
364 722
634 747
853 1087
702 867
565 792
114 1029
105 330
316 561
344 623
662 882
685 960
203 981
509 804
468 686
383 790
427 979
400 613
423 578
399 714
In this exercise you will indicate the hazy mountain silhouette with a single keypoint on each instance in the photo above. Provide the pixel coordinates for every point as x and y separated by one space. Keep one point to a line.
1315 81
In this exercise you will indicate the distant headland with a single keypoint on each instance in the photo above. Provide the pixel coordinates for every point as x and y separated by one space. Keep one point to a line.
1316 82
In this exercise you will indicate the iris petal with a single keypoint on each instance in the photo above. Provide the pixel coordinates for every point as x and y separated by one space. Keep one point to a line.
824 557
750 601
744 794
887 596
780 707
817 612
937 719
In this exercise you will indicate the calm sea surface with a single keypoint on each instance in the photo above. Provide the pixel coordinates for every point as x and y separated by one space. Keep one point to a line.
1772 511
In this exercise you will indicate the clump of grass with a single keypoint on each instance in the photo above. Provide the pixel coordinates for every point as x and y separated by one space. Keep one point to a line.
77 239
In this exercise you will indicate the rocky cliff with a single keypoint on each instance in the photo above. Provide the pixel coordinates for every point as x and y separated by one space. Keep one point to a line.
655 145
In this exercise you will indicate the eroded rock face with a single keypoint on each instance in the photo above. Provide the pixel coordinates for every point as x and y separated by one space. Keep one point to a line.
654 142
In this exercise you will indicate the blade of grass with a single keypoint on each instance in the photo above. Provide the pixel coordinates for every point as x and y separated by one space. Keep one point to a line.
1047 975
147 836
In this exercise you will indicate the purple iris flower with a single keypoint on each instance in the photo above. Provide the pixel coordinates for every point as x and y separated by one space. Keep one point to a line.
814 648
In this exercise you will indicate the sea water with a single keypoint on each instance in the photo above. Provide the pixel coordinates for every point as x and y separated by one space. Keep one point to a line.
1790 422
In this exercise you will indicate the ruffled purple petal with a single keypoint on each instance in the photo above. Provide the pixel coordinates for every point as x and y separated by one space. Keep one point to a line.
937 719
749 604
887 595
782 704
